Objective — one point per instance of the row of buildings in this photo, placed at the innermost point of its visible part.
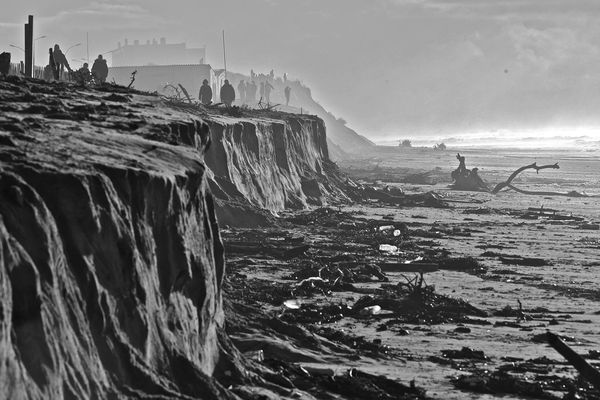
(161, 66)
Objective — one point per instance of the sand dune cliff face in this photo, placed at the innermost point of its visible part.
(110, 258)
(111, 262)
(272, 164)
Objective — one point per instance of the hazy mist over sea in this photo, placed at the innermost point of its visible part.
(582, 139)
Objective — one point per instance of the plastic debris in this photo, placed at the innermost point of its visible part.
(371, 310)
(388, 248)
(292, 304)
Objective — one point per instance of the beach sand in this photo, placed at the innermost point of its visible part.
(569, 283)
(562, 294)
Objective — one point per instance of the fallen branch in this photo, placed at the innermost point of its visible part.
(175, 89)
(266, 106)
(507, 183)
(132, 79)
(185, 92)
(587, 372)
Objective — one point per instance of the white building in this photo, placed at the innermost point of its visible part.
(157, 78)
(156, 53)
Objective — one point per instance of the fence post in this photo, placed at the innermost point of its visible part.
(29, 47)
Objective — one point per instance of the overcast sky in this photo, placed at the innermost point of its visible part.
(389, 67)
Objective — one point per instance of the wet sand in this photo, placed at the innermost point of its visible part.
(561, 294)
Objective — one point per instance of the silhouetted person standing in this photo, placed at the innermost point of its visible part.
(4, 63)
(227, 93)
(48, 75)
(262, 91)
(242, 91)
(84, 73)
(268, 88)
(51, 71)
(100, 69)
(60, 60)
(206, 93)
(287, 92)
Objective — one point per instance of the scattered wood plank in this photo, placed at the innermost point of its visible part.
(525, 261)
(412, 267)
(285, 252)
(586, 371)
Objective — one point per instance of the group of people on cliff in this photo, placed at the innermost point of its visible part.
(270, 76)
(58, 68)
(246, 92)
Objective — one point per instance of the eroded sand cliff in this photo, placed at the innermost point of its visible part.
(271, 163)
(111, 258)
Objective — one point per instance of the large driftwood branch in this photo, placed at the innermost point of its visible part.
(507, 183)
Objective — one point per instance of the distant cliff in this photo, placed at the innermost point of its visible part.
(343, 141)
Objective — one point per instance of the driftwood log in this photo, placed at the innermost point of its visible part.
(467, 179)
(507, 183)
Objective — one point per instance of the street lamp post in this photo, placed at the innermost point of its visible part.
(75, 45)
(17, 47)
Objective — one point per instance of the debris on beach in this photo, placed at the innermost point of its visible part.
(365, 271)
(351, 383)
(465, 353)
(467, 179)
(502, 383)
